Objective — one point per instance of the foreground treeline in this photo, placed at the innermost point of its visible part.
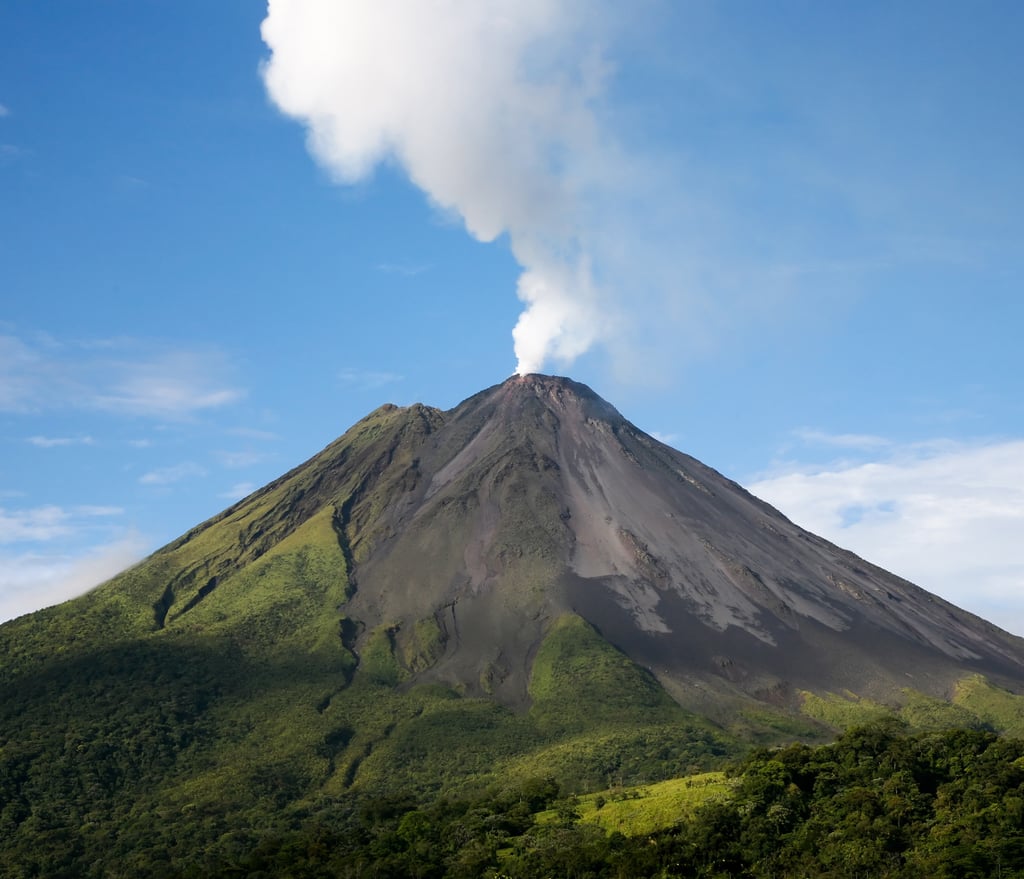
(877, 803)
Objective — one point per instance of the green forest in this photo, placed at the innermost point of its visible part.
(877, 803)
(881, 801)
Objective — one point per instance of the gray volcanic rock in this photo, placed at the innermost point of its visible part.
(536, 497)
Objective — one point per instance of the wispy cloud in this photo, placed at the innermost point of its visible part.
(36, 524)
(174, 385)
(367, 379)
(10, 152)
(238, 491)
(23, 375)
(240, 459)
(4, 111)
(841, 440)
(406, 270)
(253, 434)
(49, 522)
(947, 516)
(99, 510)
(41, 567)
(175, 473)
(122, 376)
(52, 442)
(32, 580)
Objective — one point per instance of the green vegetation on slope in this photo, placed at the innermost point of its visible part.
(842, 711)
(878, 803)
(976, 704)
(640, 811)
(195, 745)
(999, 709)
(248, 715)
(577, 676)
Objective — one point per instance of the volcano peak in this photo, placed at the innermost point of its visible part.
(521, 399)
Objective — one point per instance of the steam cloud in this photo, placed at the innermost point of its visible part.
(489, 106)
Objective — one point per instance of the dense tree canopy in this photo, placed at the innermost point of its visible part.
(879, 802)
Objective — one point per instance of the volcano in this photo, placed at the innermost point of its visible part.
(524, 584)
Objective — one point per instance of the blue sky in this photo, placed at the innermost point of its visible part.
(785, 237)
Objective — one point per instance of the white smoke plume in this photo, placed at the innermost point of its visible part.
(489, 106)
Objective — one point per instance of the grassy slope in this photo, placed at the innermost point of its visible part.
(644, 809)
(975, 704)
(1001, 710)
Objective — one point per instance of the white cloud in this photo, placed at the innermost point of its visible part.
(173, 385)
(129, 181)
(237, 460)
(98, 510)
(51, 442)
(947, 516)
(32, 580)
(841, 440)
(253, 433)
(10, 152)
(409, 271)
(122, 376)
(25, 376)
(238, 491)
(49, 522)
(36, 524)
(175, 473)
(44, 570)
(368, 379)
(4, 111)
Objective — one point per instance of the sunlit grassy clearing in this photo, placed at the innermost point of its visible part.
(635, 811)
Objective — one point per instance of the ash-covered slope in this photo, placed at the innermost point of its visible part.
(535, 497)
